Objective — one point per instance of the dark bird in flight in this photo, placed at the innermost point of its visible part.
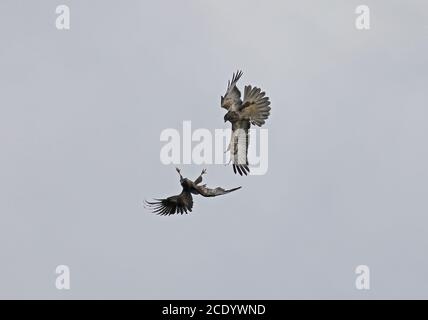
(253, 110)
(184, 201)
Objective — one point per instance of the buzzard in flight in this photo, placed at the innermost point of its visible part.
(184, 201)
(254, 110)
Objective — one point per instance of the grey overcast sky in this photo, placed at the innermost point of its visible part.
(81, 112)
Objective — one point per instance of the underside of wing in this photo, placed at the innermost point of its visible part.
(256, 106)
(207, 192)
(181, 203)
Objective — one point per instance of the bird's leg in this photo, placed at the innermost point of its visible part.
(230, 158)
(228, 148)
(232, 141)
(199, 179)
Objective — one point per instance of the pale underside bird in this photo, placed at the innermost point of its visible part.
(183, 202)
(254, 109)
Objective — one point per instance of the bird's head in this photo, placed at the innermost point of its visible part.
(231, 116)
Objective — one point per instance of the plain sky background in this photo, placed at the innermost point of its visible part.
(81, 112)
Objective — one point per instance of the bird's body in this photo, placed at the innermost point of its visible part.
(253, 110)
(183, 202)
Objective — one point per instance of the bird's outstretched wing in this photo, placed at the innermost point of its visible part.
(176, 204)
(207, 192)
(232, 96)
(255, 107)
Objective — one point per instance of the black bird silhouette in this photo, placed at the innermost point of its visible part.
(183, 202)
(254, 110)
